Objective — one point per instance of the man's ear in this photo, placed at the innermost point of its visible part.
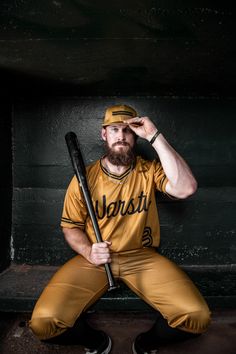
(104, 134)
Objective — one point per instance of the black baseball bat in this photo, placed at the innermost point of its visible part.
(80, 172)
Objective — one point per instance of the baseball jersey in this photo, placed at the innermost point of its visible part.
(125, 205)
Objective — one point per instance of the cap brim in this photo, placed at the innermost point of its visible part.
(114, 123)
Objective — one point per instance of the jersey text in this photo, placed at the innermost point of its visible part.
(122, 207)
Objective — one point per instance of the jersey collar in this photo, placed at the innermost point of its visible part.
(113, 175)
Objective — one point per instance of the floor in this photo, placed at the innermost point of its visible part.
(15, 336)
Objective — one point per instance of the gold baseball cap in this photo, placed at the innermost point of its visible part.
(118, 114)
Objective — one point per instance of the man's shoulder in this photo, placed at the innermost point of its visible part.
(93, 168)
(145, 164)
(92, 165)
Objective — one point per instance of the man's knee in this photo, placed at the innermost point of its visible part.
(198, 321)
(46, 327)
(194, 322)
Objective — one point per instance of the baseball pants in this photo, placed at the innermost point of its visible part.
(155, 279)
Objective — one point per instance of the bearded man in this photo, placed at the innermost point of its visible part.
(123, 188)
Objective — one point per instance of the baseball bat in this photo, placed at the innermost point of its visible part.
(80, 172)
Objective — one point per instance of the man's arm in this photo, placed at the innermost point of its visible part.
(97, 253)
(181, 182)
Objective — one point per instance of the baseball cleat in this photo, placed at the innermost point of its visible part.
(103, 348)
(139, 348)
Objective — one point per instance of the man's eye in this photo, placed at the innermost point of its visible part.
(128, 130)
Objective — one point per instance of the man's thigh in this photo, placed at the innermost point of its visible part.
(161, 283)
(74, 287)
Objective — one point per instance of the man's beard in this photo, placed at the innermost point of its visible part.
(120, 158)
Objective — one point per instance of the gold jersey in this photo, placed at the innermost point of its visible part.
(125, 205)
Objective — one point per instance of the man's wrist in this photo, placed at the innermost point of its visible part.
(153, 138)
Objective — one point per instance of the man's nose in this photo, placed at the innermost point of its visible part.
(121, 136)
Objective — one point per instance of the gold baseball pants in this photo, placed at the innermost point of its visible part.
(155, 279)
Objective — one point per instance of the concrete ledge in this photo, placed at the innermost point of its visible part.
(21, 285)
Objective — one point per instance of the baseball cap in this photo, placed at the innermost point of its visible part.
(118, 114)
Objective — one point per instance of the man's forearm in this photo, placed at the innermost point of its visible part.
(78, 241)
(181, 180)
(97, 253)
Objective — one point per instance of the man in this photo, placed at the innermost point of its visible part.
(123, 191)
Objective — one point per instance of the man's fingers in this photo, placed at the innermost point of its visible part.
(101, 245)
(101, 248)
(142, 126)
(100, 253)
(135, 122)
(103, 259)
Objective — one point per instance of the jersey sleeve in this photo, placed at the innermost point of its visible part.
(160, 178)
(74, 211)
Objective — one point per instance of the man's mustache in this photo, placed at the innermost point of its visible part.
(122, 143)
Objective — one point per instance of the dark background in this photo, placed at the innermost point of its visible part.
(63, 62)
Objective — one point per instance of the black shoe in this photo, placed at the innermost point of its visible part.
(139, 348)
(103, 348)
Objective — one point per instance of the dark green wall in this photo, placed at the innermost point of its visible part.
(198, 231)
(5, 183)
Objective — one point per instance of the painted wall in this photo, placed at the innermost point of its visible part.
(5, 183)
(197, 231)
